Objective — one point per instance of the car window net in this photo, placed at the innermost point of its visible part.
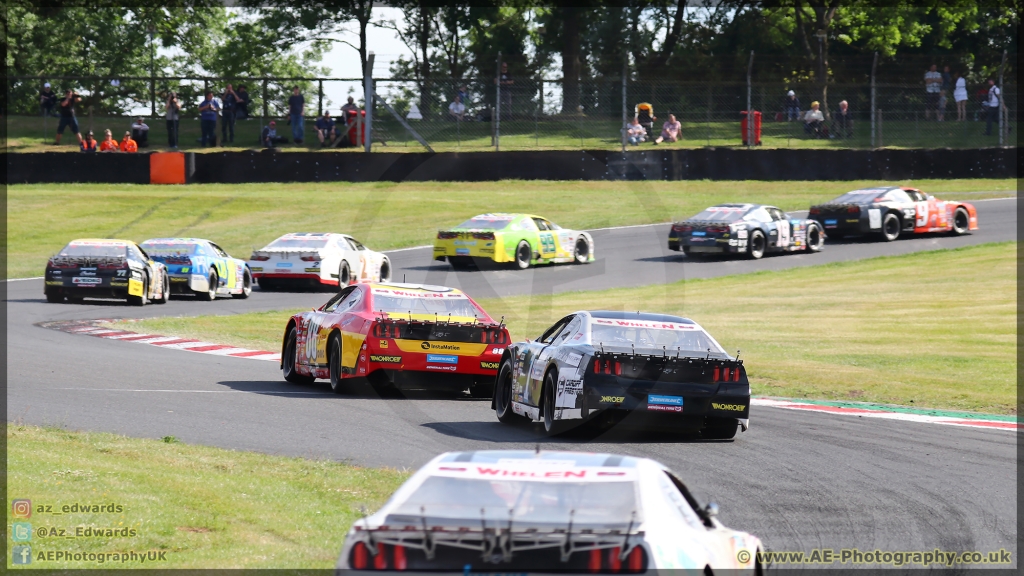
(94, 250)
(684, 340)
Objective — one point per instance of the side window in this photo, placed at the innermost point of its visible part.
(137, 253)
(541, 223)
(218, 250)
(685, 502)
(556, 329)
(776, 214)
(552, 225)
(333, 304)
(758, 215)
(568, 331)
(355, 244)
(898, 196)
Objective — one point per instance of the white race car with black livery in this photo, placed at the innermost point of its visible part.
(664, 371)
(316, 259)
(750, 229)
(518, 512)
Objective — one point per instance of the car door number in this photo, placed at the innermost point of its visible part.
(784, 233)
(547, 242)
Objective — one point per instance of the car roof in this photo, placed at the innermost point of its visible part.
(308, 235)
(745, 206)
(875, 190)
(566, 458)
(414, 287)
(177, 240)
(101, 241)
(622, 315)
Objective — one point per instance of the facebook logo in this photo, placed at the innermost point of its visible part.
(21, 555)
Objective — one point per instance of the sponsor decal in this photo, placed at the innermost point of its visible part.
(178, 279)
(256, 268)
(383, 344)
(660, 408)
(87, 272)
(830, 223)
(435, 346)
(445, 368)
(118, 283)
(283, 264)
(699, 234)
(418, 293)
(612, 399)
(54, 282)
(87, 281)
(311, 269)
(465, 242)
(728, 407)
(497, 351)
(462, 251)
(852, 220)
(664, 400)
(442, 359)
(385, 359)
(489, 365)
(644, 324)
(571, 358)
(527, 470)
(874, 218)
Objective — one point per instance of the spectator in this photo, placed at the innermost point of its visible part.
(932, 85)
(464, 93)
(635, 133)
(843, 121)
(88, 144)
(993, 104)
(208, 119)
(506, 82)
(325, 129)
(269, 137)
(242, 106)
(940, 109)
(791, 105)
(140, 132)
(296, 104)
(645, 115)
(229, 100)
(814, 120)
(67, 116)
(47, 100)
(129, 145)
(108, 144)
(670, 130)
(947, 80)
(173, 108)
(349, 106)
(457, 110)
(960, 96)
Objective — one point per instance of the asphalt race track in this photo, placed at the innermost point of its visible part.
(799, 480)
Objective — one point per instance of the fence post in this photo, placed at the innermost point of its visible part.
(266, 108)
(320, 100)
(497, 106)
(999, 111)
(874, 64)
(750, 112)
(880, 144)
(368, 95)
(625, 72)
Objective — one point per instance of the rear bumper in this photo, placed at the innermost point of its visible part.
(839, 224)
(294, 278)
(96, 291)
(726, 244)
(461, 248)
(670, 399)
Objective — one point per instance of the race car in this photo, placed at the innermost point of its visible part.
(520, 239)
(604, 365)
(751, 229)
(200, 267)
(396, 335)
(519, 512)
(314, 259)
(890, 211)
(104, 268)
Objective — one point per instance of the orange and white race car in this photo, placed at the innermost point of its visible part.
(890, 211)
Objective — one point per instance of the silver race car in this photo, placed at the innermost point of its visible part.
(558, 512)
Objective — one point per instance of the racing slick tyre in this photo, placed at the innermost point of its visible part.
(552, 427)
(140, 300)
(961, 222)
(524, 254)
(165, 292)
(211, 293)
(890, 227)
(385, 271)
(288, 361)
(54, 298)
(582, 252)
(246, 285)
(503, 396)
(334, 363)
(757, 245)
(719, 429)
(344, 275)
(815, 239)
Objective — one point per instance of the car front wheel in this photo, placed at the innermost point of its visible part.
(334, 362)
(961, 221)
(582, 252)
(552, 427)
(503, 395)
(288, 358)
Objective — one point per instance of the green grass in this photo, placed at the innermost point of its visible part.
(31, 134)
(41, 218)
(930, 330)
(205, 507)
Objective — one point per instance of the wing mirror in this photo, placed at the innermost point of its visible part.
(711, 510)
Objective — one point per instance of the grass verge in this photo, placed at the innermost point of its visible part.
(203, 507)
(43, 218)
(932, 329)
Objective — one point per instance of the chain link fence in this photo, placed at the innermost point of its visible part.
(478, 114)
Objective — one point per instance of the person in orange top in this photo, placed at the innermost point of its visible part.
(108, 144)
(127, 144)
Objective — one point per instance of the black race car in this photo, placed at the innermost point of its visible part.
(890, 211)
(603, 364)
(105, 269)
(751, 229)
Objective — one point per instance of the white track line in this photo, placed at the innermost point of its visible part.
(988, 424)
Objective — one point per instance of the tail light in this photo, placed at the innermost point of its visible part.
(814, 210)
(447, 235)
(177, 260)
(387, 331)
(493, 337)
(123, 264)
(380, 560)
(614, 563)
(359, 556)
(483, 235)
(853, 210)
(608, 367)
(717, 229)
(608, 560)
(259, 258)
(679, 228)
(310, 258)
(399, 558)
(736, 374)
(387, 557)
(726, 374)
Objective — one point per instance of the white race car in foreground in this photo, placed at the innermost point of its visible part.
(524, 511)
(314, 259)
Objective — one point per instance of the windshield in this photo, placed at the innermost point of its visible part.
(298, 243)
(646, 334)
(528, 502)
(94, 250)
(721, 214)
(160, 248)
(398, 302)
(487, 222)
(858, 197)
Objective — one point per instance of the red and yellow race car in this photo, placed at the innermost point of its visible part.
(401, 335)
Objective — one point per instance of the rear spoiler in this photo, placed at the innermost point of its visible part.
(89, 261)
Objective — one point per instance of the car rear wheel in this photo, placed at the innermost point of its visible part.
(757, 245)
(815, 239)
(165, 291)
(288, 357)
(54, 298)
(503, 397)
(334, 363)
(890, 227)
(719, 429)
(961, 221)
(582, 252)
(344, 275)
(552, 427)
(140, 300)
(524, 253)
(211, 291)
(246, 285)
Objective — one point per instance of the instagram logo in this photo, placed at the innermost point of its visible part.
(21, 508)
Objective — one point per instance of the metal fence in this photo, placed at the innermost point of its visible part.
(476, 114)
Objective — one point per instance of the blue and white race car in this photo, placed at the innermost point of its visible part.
(200, 267)
(504, 511)
(751, 229)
